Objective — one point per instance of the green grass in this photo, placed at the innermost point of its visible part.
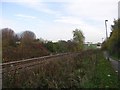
(89, 69)
(104, 75)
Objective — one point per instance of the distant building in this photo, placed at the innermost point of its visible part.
(90, 45)
(18, 42)
(99, 45)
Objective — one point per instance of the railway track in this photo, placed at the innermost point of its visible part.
(30, 63)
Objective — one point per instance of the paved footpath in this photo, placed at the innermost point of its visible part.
(115, 64)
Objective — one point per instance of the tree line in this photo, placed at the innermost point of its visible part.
(26, 45)
(112, 44)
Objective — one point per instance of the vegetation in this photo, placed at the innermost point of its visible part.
(112, 44)
(25, 45)
(78, 38)
(88, 69)
(0, 47)
(16, 47)
(74, 45)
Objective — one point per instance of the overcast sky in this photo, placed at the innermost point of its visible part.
(56, 19)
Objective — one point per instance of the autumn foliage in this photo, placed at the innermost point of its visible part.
(17, 47)
(26, 45)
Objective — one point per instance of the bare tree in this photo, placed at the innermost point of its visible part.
(8, 37)
(27, 37)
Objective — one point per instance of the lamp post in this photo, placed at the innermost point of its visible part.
(106, 29)
(107, 53)
(102, 39)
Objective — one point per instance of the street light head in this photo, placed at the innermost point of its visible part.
(106, 20)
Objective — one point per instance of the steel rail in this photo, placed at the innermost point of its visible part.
(31, 60)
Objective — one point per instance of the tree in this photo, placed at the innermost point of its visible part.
(114, 39)
(71, 46)
(63, 46)
(57, 47)
(0, 40)
(27, 37)
(8, 37)
(112, 44)
(49, 46)
(78, 39)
